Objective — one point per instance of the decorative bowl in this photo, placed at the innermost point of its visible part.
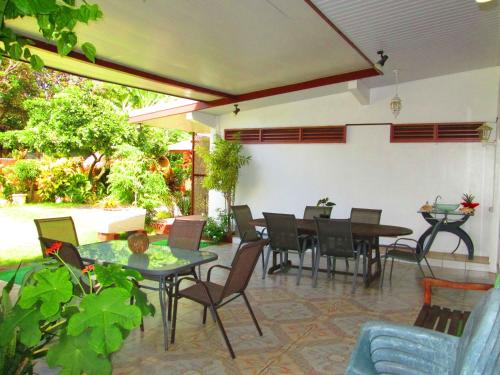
(138, 243)
(447, 207)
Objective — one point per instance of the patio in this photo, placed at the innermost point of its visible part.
(305, 330)
(379, 106)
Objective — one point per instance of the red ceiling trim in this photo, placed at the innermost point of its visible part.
(129, 70)
(339, 78)
(334, 27)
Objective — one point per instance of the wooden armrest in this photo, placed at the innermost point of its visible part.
(430, 282)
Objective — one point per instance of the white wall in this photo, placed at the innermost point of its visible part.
(369, 171)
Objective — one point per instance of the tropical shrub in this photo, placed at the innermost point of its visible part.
(216, 228)
(63, 178)
(21, 177)
(60, 314)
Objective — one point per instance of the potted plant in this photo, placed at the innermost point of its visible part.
(223, 164)
(20, 180)
(325, 202)
(74, 318)
(162, 221)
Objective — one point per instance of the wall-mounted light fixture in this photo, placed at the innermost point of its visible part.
(236, 110)
(381, 62)
(485, 133)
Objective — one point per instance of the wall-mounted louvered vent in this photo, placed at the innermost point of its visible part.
(445, 132)
(316, 134)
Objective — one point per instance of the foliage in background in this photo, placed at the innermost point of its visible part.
(133, 180)
(21, 177)
(216, 228)
(76, 123)
(63, 315)
(223, 164)
(63, 178)
(56, 20)
(183, 202)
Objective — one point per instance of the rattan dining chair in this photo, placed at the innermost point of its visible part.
(242, 216)
(284, 237)
(213, 296)
(402, 250)
(57, 228)
(335, 241)
(310, 212)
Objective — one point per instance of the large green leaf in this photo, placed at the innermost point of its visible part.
(115, 275)
(141, 301)
(89, 50)
(75, 356)
(28, 323)
(51, 287)
(105, 314)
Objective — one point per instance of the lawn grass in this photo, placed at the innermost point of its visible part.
(19, 241)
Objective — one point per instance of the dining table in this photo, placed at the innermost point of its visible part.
(159, 263)
(360, 232)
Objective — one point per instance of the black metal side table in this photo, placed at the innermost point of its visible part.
(448, 226)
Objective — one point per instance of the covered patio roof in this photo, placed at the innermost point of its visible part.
(216, 52)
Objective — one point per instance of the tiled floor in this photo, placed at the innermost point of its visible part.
(306, 330)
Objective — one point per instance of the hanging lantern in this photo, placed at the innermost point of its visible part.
(396, 104)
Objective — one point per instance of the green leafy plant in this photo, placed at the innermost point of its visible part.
(325, 202)
(76, 318)
(21, 177)
(56, 20)
(216, 228)
(63, 178)
(183, 201)
(223, 164)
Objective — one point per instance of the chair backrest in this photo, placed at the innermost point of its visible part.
(186, 234)
(365, 216)
(242, 216)
(57, 228)
(335, 237)
(310, 212)
(242, 267)
(479, 347)
(67, 252)
(282, 231)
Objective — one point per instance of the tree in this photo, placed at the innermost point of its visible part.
(223, 164)
(76, 123)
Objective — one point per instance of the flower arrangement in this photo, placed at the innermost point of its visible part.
(76, 318)
(468, 204)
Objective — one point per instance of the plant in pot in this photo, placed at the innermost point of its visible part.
(162, 221)
(223, 164)
(215, 229)
(20, 179)
(74, 318)
(325, 202)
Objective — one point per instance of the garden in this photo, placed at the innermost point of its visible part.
(67, 147)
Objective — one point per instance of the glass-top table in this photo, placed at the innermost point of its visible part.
(158, 263)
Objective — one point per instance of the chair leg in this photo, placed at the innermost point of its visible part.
(390, 274)
(204, 314)
(328, 265)
(301, 264)
(251, 313)
(355, 274)
(421, 270)
(174, 320)
(263, 262)
(223, 331)
(429, 266)
(383, 273)
(346, 264)
(269, 251)
(169, 291)
(316, 269)
(334, 265)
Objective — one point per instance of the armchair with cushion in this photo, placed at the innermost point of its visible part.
(387, 348)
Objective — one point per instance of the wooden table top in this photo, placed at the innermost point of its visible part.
(358, 229)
